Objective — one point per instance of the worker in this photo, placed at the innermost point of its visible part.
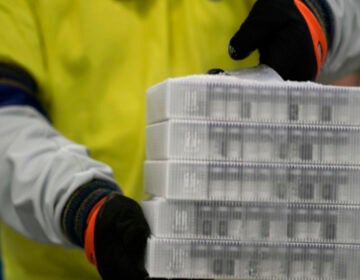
(73, 76)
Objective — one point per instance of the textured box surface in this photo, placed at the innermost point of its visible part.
(246, 181)
(186, 258)
(233, 99)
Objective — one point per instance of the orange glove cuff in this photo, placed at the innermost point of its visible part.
(317, 34)
(89, 244)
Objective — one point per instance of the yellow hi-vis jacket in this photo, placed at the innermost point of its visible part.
(93, 61)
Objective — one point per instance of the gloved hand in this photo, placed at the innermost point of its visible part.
(115, 238)
(292, 36)
(110, 227)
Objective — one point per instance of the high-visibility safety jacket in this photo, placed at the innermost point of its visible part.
(93, 61)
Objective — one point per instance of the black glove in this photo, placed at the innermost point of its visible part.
(119, 239)
(110, 227)
(292, 36)
(115, 239)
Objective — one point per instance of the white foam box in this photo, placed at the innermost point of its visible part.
(253, 221)
(222, 97)
(194, 259)
(206, 140)
(246, 181)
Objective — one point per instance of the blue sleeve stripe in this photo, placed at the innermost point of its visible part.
(79, 205)
(17, 87)
(11, 95)
(13, 72)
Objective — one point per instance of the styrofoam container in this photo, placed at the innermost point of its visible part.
(253, 221)
(203, 140)
(186, 258)
(220, 97)
(249, 181)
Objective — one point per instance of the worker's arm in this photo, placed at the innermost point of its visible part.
(302, 39)
(50, 185)
(53, 192)
(344, 56)
(39, 168)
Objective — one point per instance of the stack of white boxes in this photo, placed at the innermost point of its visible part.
(252, 179)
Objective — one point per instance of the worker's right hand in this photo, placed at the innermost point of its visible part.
(115, 238)
(292, 36)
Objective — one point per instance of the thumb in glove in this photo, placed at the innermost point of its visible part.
(292, 36)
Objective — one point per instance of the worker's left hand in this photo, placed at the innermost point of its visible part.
(292, 38)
